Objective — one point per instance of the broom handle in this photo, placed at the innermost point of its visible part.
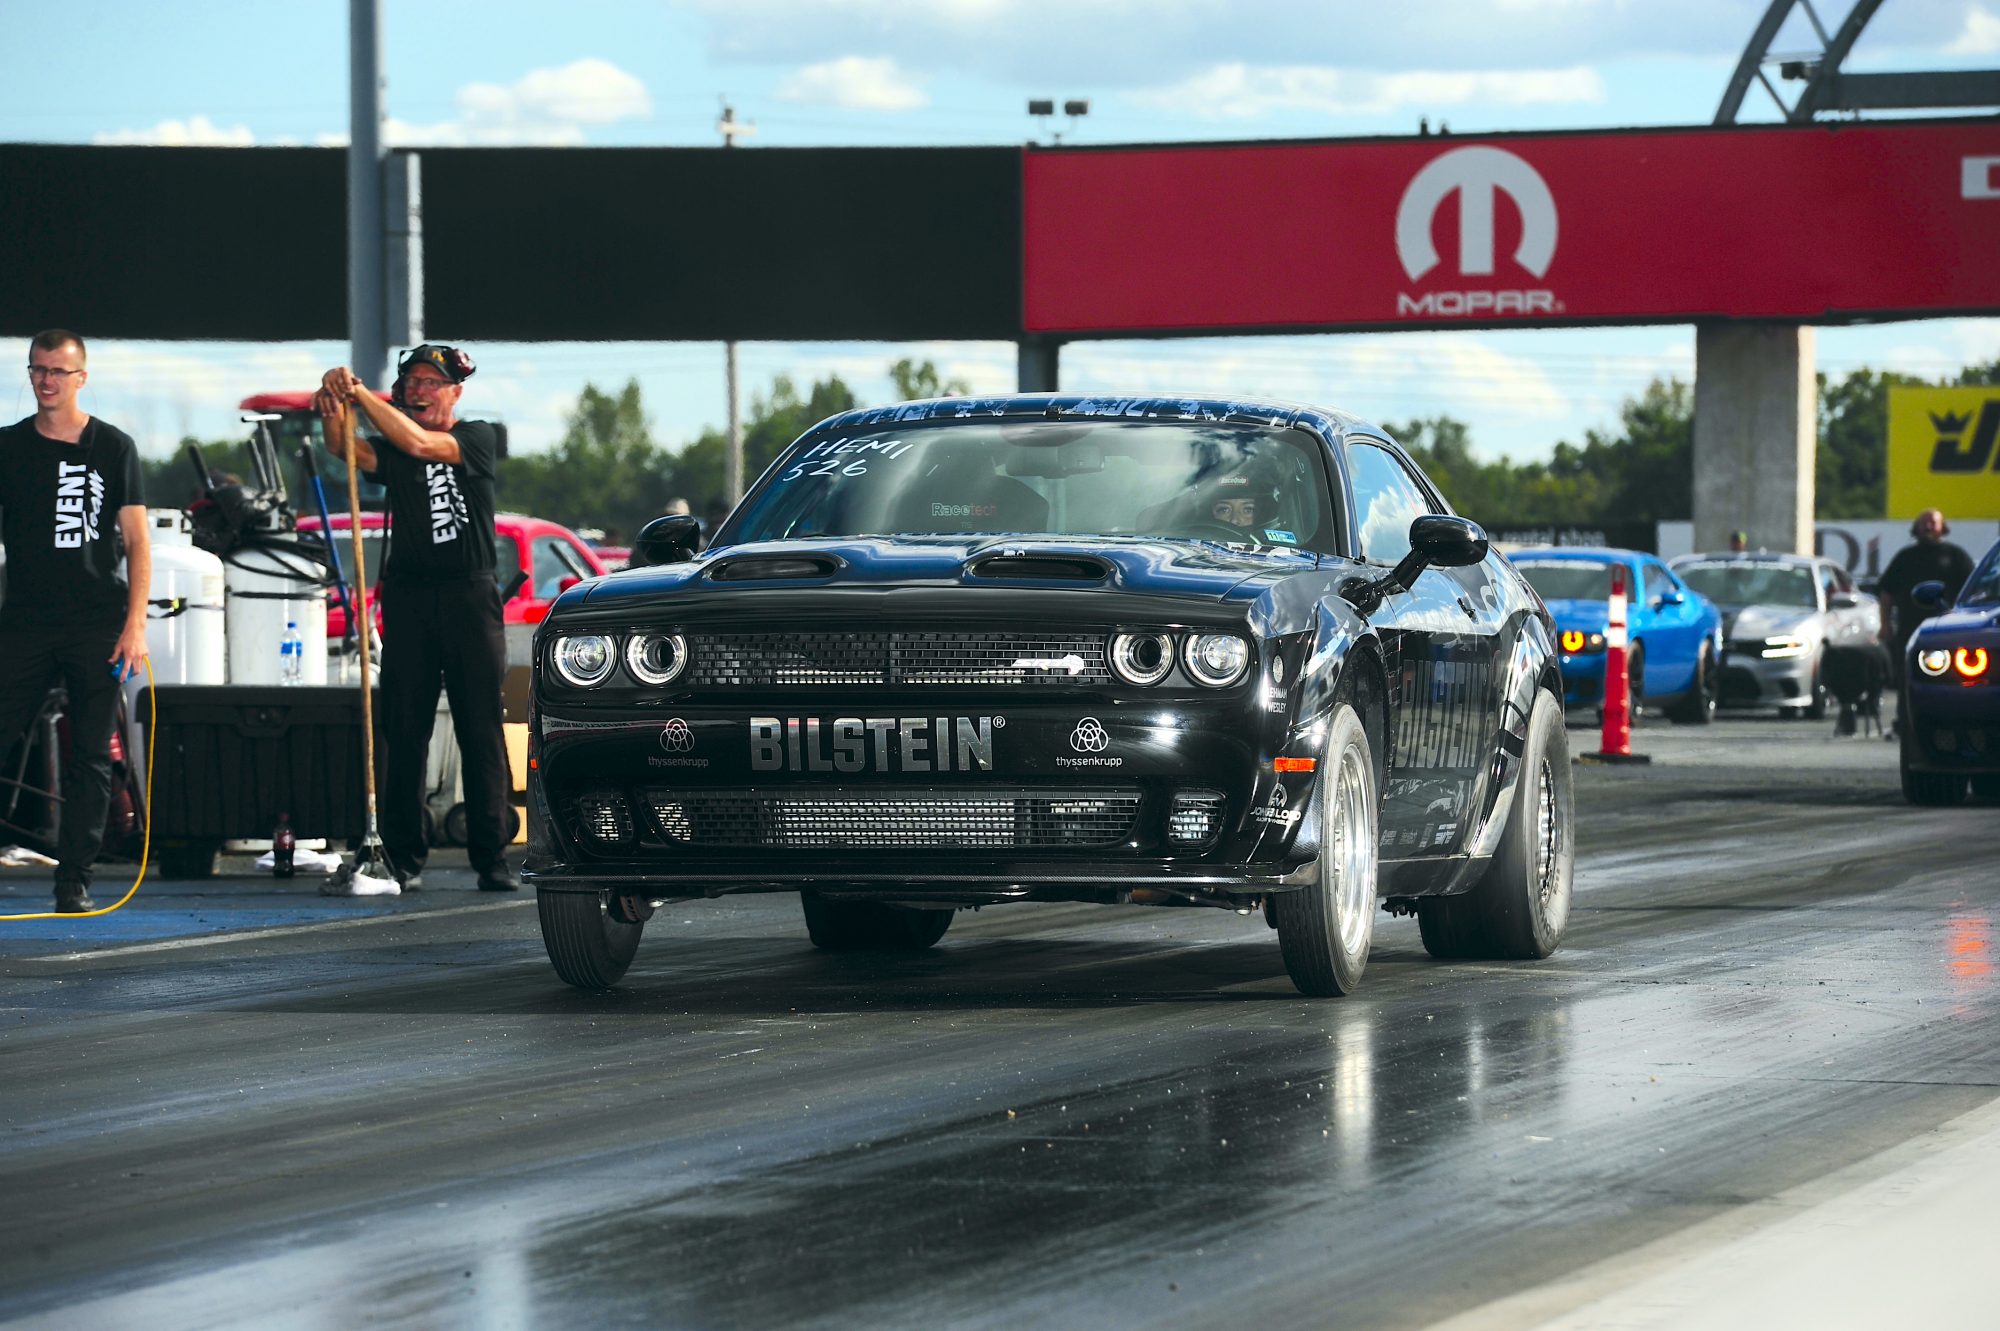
(366, 612)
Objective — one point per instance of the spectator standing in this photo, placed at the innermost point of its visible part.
(72, 510)
(441, 616)
(1931, 559)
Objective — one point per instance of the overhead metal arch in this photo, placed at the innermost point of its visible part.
(1827, 89)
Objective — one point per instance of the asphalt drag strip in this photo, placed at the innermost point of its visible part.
(1777, 993)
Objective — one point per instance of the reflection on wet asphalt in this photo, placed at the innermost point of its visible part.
(1062, 1116)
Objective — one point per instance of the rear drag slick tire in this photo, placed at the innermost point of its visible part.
(589, 947)
(1520, 906)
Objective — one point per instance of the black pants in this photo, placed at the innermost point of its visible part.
(34, 655)
(451, 633)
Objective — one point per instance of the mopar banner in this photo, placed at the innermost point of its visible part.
(1944, 452)
(1797, 223)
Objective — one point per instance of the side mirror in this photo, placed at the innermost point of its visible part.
(1435, 538)
(1843, 601)
(1929, 595)
(1665, 599)
(669, 540)
(566, 582)
(1447, 542)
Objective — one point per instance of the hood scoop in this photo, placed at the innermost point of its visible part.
(775, 568)
(1021, 564)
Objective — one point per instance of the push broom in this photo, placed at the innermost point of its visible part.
(369, 875)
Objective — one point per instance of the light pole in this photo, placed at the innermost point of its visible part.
(1044, 109)
(732, 482)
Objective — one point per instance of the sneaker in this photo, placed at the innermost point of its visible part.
(73, 899)
(500, 878)
(412, 882)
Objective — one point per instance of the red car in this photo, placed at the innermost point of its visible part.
(547, 558)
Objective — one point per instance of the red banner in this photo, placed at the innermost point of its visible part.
(1804, 223)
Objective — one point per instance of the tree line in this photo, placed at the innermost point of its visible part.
(610, 471)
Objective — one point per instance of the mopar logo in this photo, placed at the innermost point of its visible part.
(1476, 175)
(873, 743)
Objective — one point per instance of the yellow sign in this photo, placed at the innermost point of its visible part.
(1944, 452)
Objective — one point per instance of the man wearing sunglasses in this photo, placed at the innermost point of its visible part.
(441, 615)
(73, 519)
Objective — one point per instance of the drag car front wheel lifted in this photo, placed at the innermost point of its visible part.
(589, 944)
(1520, 905)
(1325, 930)
(870, 926)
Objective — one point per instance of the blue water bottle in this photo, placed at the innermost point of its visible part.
(291, 656)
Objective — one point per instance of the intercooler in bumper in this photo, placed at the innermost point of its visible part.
(913, 819)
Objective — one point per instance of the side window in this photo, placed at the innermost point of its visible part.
(506, 559)
(1386, 500)
(1829, 583)
(554, 561)
(1658, 583)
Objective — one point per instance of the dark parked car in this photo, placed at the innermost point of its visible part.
(1055, 648)
(1948, 716)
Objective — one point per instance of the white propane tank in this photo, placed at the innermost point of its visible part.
(267, 587)
(184, 622)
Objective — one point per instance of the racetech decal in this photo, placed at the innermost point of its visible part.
(1522, 228)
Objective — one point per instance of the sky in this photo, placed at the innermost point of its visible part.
(884, 73)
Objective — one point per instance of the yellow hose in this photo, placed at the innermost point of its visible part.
(146, 841)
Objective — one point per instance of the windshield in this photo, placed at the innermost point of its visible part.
(1568, 579)
(1983, 587)
(1735, 582)
(1236, 484)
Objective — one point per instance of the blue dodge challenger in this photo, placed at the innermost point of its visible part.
(1170, 652)
(1674, 633)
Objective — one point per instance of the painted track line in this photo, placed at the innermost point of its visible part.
(275, 931)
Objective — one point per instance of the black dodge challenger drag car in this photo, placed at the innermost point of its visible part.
(955, 653)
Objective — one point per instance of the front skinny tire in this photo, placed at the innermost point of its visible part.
(589, 947)
(1325, 930)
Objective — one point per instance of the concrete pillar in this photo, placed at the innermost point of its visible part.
(1756, 418)
(1039, 364)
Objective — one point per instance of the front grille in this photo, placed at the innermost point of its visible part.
(891, 818)
(754, 660)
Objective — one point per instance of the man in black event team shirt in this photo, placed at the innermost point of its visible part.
(70, 507)
(1931, 559)
(440, 603)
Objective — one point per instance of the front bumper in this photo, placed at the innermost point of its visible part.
(1951, 728)
(1583, 678)
(1748, 679)
(1023, 798)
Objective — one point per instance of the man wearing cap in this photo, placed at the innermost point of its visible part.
(441, 619)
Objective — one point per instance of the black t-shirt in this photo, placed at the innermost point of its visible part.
(441, 513)
(1943, 562)
(59, 507)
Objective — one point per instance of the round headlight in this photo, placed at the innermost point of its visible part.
(1215, 659)
(656, 658)
(585, 660)
(1141, 658)
(1934, 662)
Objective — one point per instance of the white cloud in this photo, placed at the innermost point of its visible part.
(854, 83)
(1981, 35)
(194, 132)
(1240, 91)
(544, 108)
